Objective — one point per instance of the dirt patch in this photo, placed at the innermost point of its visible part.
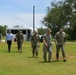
(72, 57)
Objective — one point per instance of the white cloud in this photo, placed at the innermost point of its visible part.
(22, 19)
(19, 12)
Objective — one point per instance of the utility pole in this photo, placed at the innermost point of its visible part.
(33, 18)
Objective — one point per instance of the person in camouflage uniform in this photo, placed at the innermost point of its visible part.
(35, 39)
(19, 39)
(47, 46)
(60, 39)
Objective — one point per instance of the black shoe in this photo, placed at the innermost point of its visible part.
(64, 60)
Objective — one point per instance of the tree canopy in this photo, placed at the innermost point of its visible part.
(62, 14)
(3, 30)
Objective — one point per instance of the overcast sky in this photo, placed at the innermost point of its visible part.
(20, 12)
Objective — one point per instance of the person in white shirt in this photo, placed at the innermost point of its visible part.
(9, 38)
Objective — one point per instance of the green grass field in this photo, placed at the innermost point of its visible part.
(15, 63)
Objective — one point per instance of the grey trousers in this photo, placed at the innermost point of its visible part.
(19, 45)
(58, 47)
(45, 50)
(35, 50)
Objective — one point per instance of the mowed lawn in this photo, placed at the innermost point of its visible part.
(15, 63)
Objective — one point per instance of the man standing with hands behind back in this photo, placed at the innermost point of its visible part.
(60, 39)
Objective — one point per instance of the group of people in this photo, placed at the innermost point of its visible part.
(60, 39)
(19, 40)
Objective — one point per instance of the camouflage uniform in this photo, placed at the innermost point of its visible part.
(60, 39)
(35, 44)
(19, 38)
(48, 40)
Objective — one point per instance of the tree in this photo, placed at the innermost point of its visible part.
(61, 14)
(3, 30)
(41, 31)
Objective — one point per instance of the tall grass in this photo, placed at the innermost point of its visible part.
(15, 63)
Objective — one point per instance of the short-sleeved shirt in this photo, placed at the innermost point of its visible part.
(35, 40)
(19, 37)
(48, 39)
(60, 38)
